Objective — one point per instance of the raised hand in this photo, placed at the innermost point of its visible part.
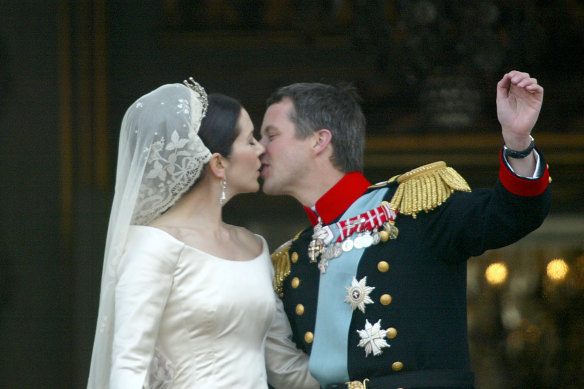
(519, 99)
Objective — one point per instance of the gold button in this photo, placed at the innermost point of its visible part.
(294, 257)
(397, 366)
(295, 282)
(384, 235)
(308, 337)
(550, 180)
(385, 299)
(391, 333)
(299, 309)
(383, 266)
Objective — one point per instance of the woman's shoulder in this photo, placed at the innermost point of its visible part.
(254, 241)
(148, 237)
(149, 246)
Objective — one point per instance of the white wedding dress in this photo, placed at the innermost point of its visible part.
(188, 319)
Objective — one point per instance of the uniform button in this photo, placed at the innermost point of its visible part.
(299, 309)
(384, 236)
(295, 282)
(397, 366)
(308, 337)
(294, 257)
(385, 299)
(383, 266)
(550, 180)
(391, 333)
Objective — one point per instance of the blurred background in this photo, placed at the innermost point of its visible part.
(427, 72)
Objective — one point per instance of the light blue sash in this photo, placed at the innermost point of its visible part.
(328, 359)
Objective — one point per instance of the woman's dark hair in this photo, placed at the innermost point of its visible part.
(219, 128)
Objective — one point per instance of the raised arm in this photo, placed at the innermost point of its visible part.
(519, 100)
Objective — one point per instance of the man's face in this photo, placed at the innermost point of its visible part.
(285, 160)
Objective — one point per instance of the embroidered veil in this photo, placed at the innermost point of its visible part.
(160, 156)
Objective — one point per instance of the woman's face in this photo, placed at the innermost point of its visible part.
(244, 166)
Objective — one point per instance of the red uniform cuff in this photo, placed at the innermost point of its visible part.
(522, 186)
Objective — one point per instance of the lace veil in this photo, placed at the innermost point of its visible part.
(159, 158)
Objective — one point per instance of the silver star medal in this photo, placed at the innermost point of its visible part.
(358, 294)
(373, 338)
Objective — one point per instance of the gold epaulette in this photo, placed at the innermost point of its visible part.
(281, 262)
(425, 188)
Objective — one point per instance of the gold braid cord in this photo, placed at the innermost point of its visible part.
(281, 262)
(426, 188)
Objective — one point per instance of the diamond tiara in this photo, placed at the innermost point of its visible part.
(202, 95)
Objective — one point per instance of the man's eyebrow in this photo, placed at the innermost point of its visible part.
(268, 129)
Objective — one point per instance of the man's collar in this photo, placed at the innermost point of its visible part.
(334, 202)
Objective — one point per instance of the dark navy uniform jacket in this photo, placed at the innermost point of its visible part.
(419, 280)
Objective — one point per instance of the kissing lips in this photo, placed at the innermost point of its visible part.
(263, 169)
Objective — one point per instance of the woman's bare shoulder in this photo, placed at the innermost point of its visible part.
(248, 238)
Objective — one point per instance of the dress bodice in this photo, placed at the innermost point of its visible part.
(206, 317)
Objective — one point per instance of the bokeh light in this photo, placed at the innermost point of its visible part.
(557, 269)
(496, 273)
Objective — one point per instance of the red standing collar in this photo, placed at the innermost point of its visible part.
(340, 197)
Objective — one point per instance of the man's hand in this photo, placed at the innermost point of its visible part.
(519, 100)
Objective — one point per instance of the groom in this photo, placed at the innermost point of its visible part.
(375, 288)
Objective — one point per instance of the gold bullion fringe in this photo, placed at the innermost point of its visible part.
(281, 262)
(426, 188)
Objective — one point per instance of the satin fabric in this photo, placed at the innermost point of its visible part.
(210, 322)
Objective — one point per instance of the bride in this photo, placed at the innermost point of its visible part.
(186, 299)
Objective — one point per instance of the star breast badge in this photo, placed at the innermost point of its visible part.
(358, 294)
(373, 338)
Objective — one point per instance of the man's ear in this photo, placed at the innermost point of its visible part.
(217, 164)
(322, 138)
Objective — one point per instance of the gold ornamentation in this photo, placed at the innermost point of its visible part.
(281, 262)
(384, 235)
(383, 266)
(300, 309)
(357, 384)
(385, 299)
(425, 188)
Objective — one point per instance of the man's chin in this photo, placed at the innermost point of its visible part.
(268, 189)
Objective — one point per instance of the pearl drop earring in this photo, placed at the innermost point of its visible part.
(223, 196)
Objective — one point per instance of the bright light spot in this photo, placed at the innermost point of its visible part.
(496, 273)
(557, 269)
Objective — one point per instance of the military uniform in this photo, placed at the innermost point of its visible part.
(390, 312)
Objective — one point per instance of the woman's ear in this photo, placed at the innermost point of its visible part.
(322, 138)
(217, 164)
